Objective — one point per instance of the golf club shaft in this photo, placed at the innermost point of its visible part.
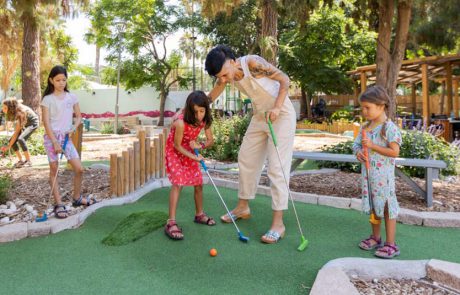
(275, 143)
(58, 163)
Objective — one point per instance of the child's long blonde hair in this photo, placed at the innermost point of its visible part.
(379, 96)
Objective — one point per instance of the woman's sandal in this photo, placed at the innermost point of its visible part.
(173, 231)
(370, 243)
(243, 215)
(204, 219)
(89, 201)
(272, 237)
(387, 251)
(60, 211)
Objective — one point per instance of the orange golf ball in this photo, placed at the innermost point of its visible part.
(213, 252)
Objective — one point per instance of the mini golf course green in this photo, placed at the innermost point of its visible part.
(76, 262)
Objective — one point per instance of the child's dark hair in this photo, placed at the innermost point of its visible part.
(216, 59)
(376, 95)
(53, 73)
(198, 98)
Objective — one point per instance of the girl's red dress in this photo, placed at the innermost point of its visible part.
(181, 169)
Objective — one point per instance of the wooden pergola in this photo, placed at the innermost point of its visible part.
(420, 70)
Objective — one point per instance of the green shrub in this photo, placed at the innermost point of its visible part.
(107, 128)
(34, 143)
(341, 148)
(228, 136)
(5, 184)
(415, 145)
(344, 114)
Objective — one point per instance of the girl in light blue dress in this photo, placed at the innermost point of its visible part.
(383, 143)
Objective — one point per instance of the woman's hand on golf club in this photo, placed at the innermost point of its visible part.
(273, 114)
(198, 158)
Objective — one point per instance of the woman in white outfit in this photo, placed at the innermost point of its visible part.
(267, 87)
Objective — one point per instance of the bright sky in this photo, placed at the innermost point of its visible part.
(77, 29)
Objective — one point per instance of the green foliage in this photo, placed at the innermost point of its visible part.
(34, 143)
(5, 185)
(107, 128)
(344, 114)
(228, 136)
(422, 145)
(341, 148)
(415, 145)
(77, 82)
(319, 55)
(134, 227)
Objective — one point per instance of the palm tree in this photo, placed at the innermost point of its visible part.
(28, 10)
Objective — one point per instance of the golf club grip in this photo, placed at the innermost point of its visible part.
(270, 126)
(201, 162)
(66, 139)
(365, 150)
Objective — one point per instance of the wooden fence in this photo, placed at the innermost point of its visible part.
(336, 126)
(138, 164)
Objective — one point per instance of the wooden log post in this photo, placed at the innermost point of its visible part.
(137, 165)
(147, 160)
(141, 137)
(113, 174)
(152, 160)
(456, 102)
(161, 154)
(165, 138)
(131, 169)
(120, 176)
(425, 95)
(157, 157)
(125, 155)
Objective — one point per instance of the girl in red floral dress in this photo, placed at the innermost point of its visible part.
(182, 165)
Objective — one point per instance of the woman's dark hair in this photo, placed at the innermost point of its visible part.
(13, 107)
(198, 98)
(216, 59)
(54, 72)
(379, 96)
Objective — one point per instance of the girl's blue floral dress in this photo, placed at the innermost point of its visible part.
(382, 171)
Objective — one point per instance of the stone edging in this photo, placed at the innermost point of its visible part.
(17, 231)
(334, 276)
(406, 216)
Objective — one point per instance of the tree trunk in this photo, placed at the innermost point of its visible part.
(303, 104)
(96, 66)
(389, 63)
(269, 33)
(31, 60)
(163, 94)
(309, 99)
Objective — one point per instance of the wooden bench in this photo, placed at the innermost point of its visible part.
(432, 168)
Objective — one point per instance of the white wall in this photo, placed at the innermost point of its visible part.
(144, 99)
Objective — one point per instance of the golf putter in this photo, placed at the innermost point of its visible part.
(372, 218)
(241, 237)
(44, 216)
(303, 242)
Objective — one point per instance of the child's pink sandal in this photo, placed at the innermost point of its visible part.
(370, 243)
(203, 218)
(387, 251)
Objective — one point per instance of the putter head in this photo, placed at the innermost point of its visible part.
(243, 238)
(303, 244)
(41, 218)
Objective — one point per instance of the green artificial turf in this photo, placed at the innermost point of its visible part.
(135, 226)
(76, 262)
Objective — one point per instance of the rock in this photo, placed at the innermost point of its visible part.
(13, 207)
(29, 208)
(375, 281)
(5, 220)
(34, 213)
(3, 207)
(19, 202)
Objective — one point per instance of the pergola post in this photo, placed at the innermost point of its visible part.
(425, 95)
(413, 98)
(363, 81)
(356, 93)
(448, 68)
(456, 101)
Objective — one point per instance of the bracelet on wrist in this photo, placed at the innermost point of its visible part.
(203, 146)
